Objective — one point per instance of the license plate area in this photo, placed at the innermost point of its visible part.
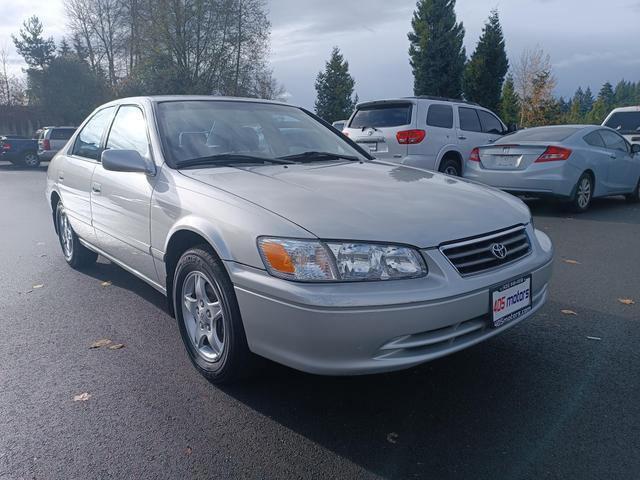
(510, 301)
(506, 161)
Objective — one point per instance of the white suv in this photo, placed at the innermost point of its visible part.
(427, 132)
(626, 121)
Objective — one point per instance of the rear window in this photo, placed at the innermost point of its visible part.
(440, 116)
(61, 133)
(594, 139)
(626, 123)
(543, 134)
(379, 116)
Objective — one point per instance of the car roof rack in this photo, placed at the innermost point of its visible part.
(444, 99)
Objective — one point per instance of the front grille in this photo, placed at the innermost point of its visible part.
(477, 255)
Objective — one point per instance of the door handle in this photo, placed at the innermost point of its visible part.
(96, 187)
(462, 137)
(491, 140)
(60, 176)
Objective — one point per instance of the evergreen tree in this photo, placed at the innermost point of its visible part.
(36, 50)
(64, 49)
(509, 103)
(485, 72)
(436, 51)
(587, 101)
(334, 87)
(606, 95)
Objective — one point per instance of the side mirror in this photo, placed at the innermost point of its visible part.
(127, 161)
(512, 127)
(635, 148)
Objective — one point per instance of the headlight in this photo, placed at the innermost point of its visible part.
(314, 261)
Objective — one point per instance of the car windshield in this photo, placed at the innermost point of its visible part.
(201, 129)
(380, 116)
(543, 134)
(625, 122)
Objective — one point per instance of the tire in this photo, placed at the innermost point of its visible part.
(634, 197)
(31, 160)
(77, 255)
(209, 318)
(451, 167)
(583, 194)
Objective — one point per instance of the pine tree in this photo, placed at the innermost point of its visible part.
(36, 50)
(606, 95)
(587, 101)
(509, 103)
(64, 49)
(436, 51)
(485, 72)
(334, 87)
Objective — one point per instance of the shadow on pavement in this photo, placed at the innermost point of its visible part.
(610, 209)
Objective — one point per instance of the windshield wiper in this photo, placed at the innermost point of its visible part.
(225, 159)
(318, 157)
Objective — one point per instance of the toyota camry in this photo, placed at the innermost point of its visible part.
(273, 235)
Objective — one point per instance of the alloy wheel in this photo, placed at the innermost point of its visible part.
(203, 316)
(31, 160)
(451, 170)
(66, 235)
(584, 193)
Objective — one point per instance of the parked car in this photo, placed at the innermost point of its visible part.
(625, 121)
(427, 132)
(570, 162)
(339, 125)
(19, 150)
(52, 139)
(272, 234)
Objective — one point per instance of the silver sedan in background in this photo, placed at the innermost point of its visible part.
(571, 162)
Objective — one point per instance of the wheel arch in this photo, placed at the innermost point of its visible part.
(54, 200)
(450, 152)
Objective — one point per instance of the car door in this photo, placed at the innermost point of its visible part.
(603, 163)
(76, 169)
(440, 134)
(492, 126)
(121, 201)
(622, 166)
(470, 134)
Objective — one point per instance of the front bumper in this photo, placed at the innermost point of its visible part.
(361, 328)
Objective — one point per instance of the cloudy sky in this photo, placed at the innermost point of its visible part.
(590, 41)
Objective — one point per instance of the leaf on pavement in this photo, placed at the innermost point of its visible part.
(571, 262)
(626, 301)
(392, 437)
(188, 451)
(116, 346)
(100, 343)
(568, 312)
(36, 287)
(106, 284)
(83, 397)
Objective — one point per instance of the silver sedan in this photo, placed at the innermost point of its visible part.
(274, 235)
(572, 162)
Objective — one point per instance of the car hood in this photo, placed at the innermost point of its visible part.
(371, 201)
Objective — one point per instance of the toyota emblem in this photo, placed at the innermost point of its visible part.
(499, 251)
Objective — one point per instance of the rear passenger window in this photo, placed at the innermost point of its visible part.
(614, 141)
(89, 141)
(440, 116)
(61, 134)
(490, 123)
(129, 131)
(595, 140)
(469, 120)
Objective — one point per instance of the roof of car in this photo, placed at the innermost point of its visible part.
(192, 98)
(627, 109)
(419, 97)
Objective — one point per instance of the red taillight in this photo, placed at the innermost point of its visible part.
(554, 154)
(6, 146)
(475, 155)
(411, 137)
(345, 133)
(46, 144)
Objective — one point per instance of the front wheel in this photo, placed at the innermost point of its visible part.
(209, 317)
(583, 194)
(76, 254)
(634, 197)
(31, 160)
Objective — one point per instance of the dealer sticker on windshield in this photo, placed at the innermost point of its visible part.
(510, 301)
